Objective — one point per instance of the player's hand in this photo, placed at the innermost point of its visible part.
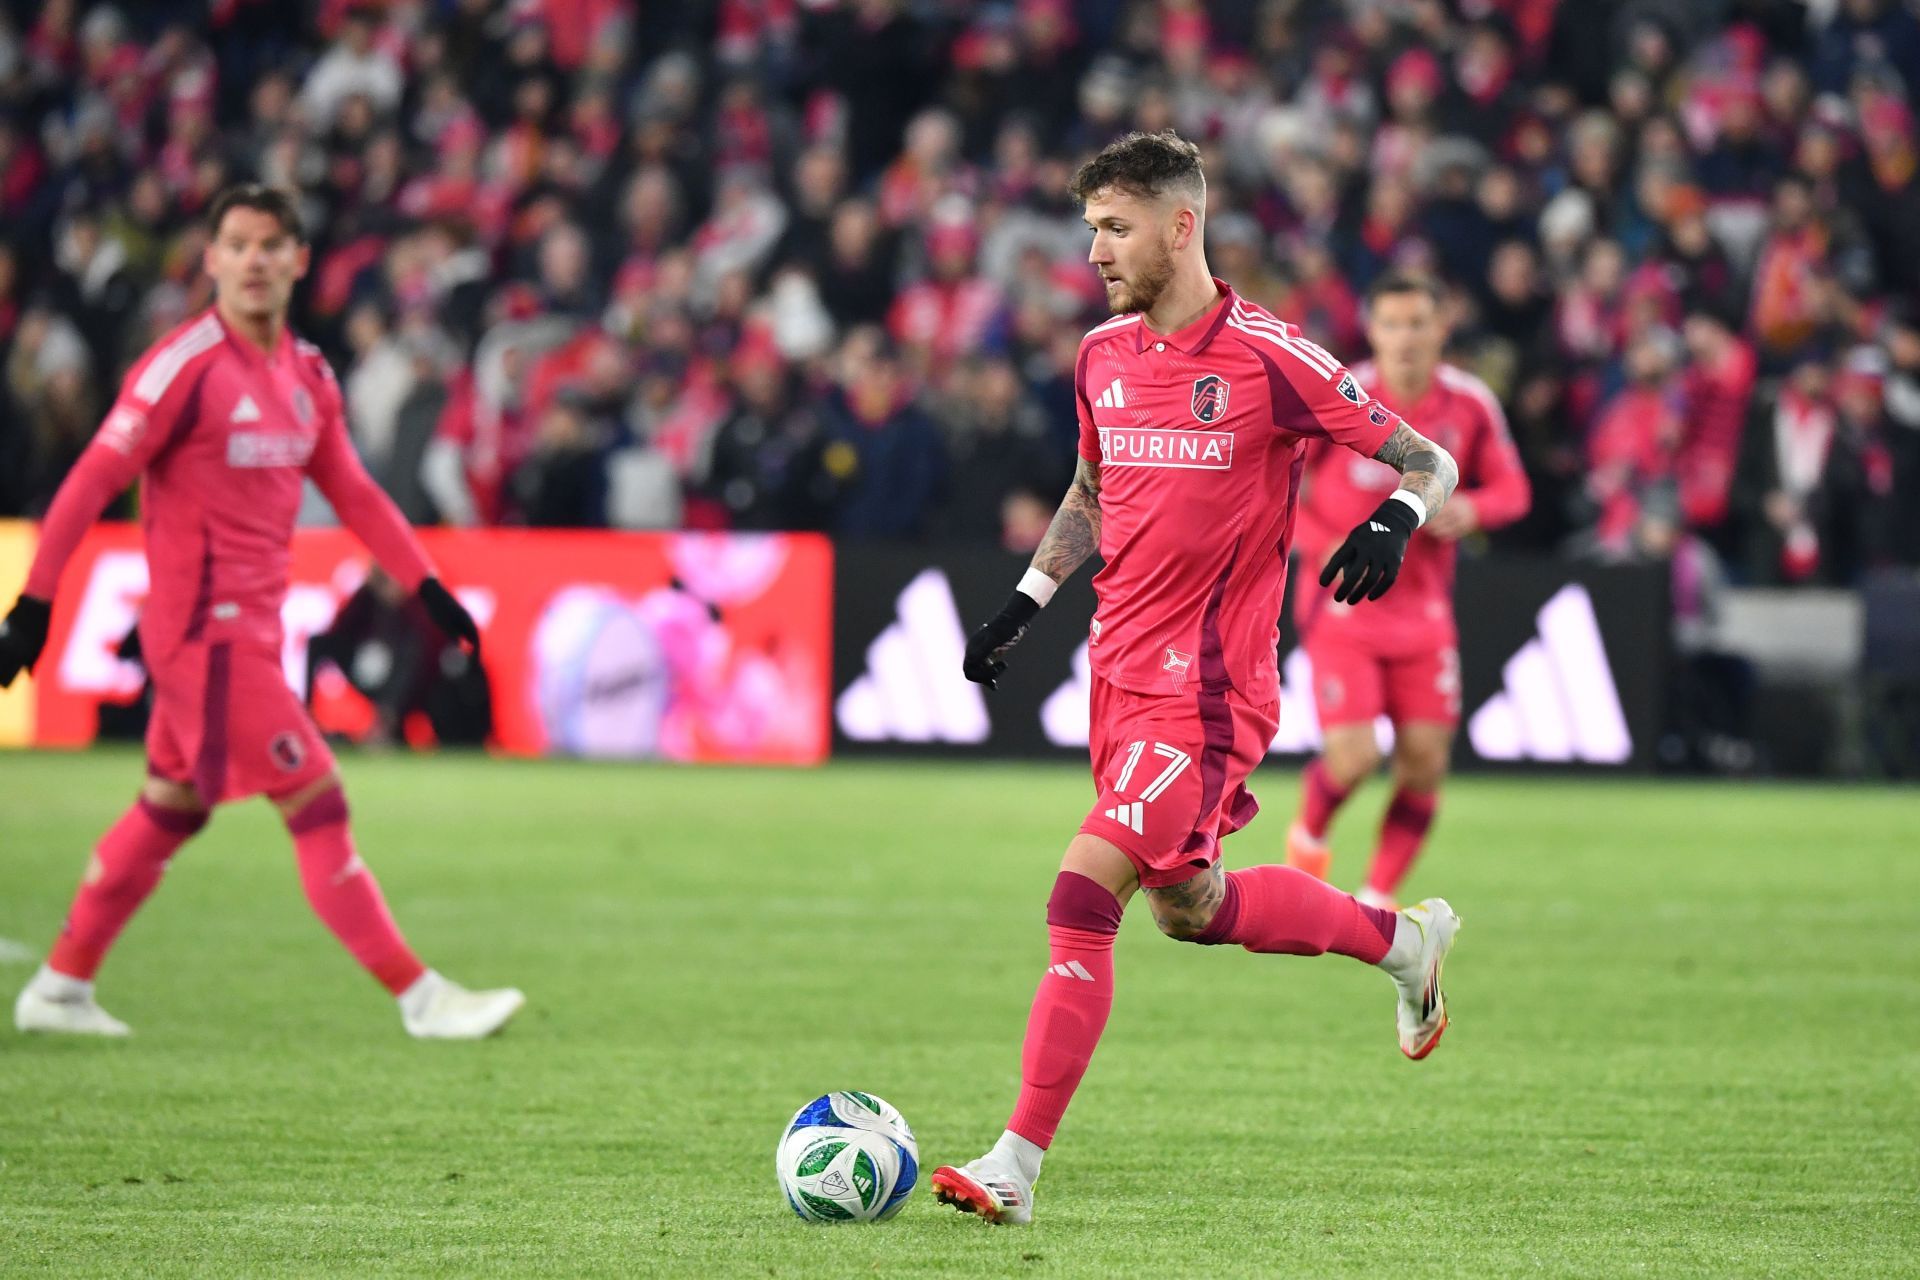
(1369, 560)
(1458, 519)
(23, 634)
(450, 615)
(987, 647)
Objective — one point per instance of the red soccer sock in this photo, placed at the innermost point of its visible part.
(1070, 1008)
(345, 895)
(127, 865)
(1402, 833)
(1285, 911)
(1320, 799)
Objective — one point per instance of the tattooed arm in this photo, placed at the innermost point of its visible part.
(1427, 471)
(1369, 561)
(1074, 534)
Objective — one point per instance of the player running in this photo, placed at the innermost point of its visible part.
(1401, 658)
(1196, 409)
(226, 416)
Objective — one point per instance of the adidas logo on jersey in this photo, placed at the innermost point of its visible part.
(1558, 702)
(1131, 816)
(245, 411)
(1113, 397)
(1071, 969)
(912, 689)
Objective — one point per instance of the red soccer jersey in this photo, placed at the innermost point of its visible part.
(1201, 436)
(225, 435)
(1459, 414)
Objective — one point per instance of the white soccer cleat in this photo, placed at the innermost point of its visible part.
(987, 1187)
(56, 1003)
(434, 1008)
(1422, 1014)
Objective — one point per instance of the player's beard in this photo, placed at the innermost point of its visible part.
(1146, 287)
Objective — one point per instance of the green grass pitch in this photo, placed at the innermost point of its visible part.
(1686, 1037)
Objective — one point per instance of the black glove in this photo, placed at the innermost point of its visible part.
(22, 636)
(1372, 553)
(449, 614)
(988, 646)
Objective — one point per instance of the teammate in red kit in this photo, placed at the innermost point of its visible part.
(226, 417)
(1401, 657)
(1196, 409)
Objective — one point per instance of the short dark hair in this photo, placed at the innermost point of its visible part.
(1388, 283)
(1144, 165)
(258, 195)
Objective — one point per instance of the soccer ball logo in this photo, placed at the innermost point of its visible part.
(1210, 397)
(847, 1157)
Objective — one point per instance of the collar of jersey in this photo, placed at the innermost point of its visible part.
(1190, 340)
(249, 352)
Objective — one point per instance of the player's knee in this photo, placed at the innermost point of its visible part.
(181, 820)
(179, 798)
(1078, 902)
(1185, 911)
(309, 811)
(1183, 925)
(1420, 766)
(1350, 761)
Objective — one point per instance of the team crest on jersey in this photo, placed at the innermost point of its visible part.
(1350, 388)
(303, 406)
(1377, 416)
(287, 751)
(1210, 397)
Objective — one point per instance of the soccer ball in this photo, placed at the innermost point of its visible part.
(847, 1157)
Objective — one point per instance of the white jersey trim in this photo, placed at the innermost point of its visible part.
(1308, 353)
(1118, 322)
(172, 358)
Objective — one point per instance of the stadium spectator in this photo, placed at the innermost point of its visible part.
(885, 453)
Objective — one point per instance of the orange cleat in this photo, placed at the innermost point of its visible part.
(998, 1195)
(1304, 853)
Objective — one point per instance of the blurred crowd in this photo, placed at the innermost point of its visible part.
(811, 264)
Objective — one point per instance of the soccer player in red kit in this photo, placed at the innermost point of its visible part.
(1196, 409)
(1399, 658)
(226, 417)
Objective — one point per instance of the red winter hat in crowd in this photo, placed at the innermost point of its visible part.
(1416, 67)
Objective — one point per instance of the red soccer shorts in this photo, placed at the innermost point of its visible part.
(1172, 772)
(225, 721)
(1356, 682)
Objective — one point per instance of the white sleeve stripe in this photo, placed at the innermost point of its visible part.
(172, 358)
(1114, 323)
(1309, 348)
(1305, 350)
(1285, 345)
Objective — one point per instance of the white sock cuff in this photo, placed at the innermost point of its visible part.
(421, 990)
(1019, 1152)
(54, 985)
